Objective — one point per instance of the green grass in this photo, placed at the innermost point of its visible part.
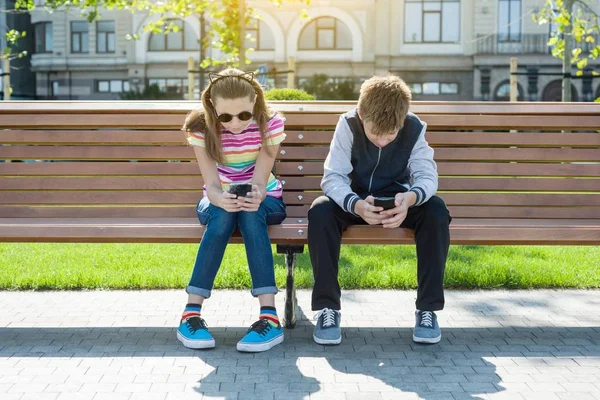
(161, 266)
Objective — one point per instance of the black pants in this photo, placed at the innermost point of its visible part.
(327, 221)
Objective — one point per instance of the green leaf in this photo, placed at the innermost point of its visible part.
(92, 16)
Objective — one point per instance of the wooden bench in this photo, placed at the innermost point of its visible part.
(520, 173)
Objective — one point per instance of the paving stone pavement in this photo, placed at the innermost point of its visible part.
(122, 345)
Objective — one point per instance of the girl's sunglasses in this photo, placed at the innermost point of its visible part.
(243, 116)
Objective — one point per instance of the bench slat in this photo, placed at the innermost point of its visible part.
(293, 211)
(174, 121)
(107, 168)
(492, 122)
(420, 107)
(176, 138)
(99, 197)
(289, 182)
(471, 139)
(73, 137)
(464, 169)
(481, 199)
(286, 153)
(191, 198)
(99, 168)
(97, 152)
(187, 230)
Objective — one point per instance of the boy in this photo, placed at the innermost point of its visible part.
(379, 150)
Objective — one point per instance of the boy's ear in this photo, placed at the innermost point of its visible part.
(358, 112)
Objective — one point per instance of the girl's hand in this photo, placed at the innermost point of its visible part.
(228, 202)
(252, 200)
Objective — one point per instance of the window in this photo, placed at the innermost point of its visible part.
(509, 21)
(105, 36)
(43, 37)
(173, 86)
(449, 88)
(502, 92)
(433, 88)
(54, 86)
(184, 39)
(325, 33)
(416, 88)
(436, 21)
(79, 37)
(262, 35)
(112, 86)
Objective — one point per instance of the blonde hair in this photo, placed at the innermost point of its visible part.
(230, 83)
(384, 101)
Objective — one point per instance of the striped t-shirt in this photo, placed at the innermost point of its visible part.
(240, 152)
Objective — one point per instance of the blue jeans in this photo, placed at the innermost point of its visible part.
(220, 224)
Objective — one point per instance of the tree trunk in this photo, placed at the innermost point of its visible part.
(202, 50)
(566, 84)
(242, 56)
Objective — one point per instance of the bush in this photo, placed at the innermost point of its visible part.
(150, 92)
(325, 88)
(288, 94)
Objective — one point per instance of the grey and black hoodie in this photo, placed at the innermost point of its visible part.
(355, 168)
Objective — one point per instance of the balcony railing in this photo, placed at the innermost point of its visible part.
(527, 44)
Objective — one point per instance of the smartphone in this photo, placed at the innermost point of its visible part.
(240, 189)
(385, 202)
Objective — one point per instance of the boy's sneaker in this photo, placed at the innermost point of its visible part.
(261, 336)
(194, 334)
(327, 330)
(427, 329)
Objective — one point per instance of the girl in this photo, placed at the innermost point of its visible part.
(236, 138)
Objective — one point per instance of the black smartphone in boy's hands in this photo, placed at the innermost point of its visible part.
(385, 202)
(240, 189)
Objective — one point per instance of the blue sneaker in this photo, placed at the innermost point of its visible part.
(261, 336)
(194, 334)
(427, 329)
(328, 330)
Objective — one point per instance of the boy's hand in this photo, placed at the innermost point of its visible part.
(394, 217)
(367, 211)
(252, 200)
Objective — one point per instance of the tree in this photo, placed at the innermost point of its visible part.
(577, 23)
(228, 19)
(10, 52)
(12, 36)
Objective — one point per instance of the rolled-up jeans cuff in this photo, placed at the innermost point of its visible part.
(264, 290)
(198, 291)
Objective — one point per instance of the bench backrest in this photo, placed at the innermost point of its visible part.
(129, 159)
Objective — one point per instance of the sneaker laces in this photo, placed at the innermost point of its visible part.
(328, 317)
(196, 323)
(262, 326)
(427, 318)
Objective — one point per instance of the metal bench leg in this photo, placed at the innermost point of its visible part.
(290, 251)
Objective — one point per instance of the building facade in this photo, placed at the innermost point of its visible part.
(444, 49)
